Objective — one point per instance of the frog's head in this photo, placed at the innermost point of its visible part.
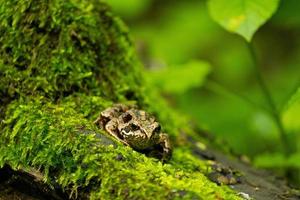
(138, 128)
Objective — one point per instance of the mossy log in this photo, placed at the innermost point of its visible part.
(61, 63)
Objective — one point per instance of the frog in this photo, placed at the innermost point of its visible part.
(137, 129)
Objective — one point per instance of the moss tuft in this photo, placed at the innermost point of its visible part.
(57, 47)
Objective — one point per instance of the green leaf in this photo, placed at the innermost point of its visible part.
(270, 160)
(177, 80)
(243, 17)
(277, 160)
(291, 115)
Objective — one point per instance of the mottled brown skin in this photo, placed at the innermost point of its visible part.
(137, 129)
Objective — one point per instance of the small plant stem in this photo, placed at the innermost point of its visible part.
(220, 89)
(273, 109)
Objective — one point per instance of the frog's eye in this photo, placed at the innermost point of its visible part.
(127, 117)
(127, 129)
(157, 129)
(134, 127)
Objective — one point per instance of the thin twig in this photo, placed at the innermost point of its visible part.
(273, 109)
(218, 88)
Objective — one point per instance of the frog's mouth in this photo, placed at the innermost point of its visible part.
(124, 133)
(132, 133)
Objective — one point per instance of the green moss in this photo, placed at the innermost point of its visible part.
(67, 149)
(61, 63)
(60, 46)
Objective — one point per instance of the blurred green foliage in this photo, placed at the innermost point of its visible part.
(181, 78)
(169, 34)
(278, 160)
(129, 8)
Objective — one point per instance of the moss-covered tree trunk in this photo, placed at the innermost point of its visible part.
(61, 63)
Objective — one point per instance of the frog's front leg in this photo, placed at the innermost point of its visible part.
(165, 143)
